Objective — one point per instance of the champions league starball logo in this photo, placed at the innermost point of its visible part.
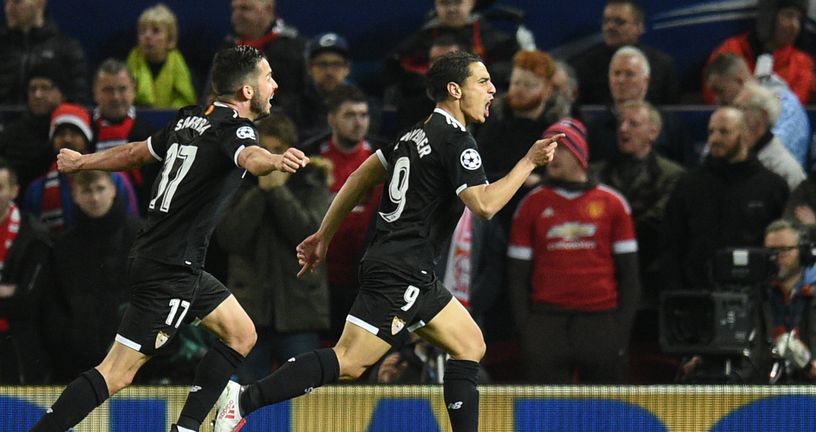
(245, 132)
(470, 159)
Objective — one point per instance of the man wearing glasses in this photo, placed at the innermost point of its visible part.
(623, 23)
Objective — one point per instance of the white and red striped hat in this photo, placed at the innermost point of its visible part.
(72, 114)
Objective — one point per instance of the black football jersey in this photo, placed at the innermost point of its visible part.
(199, 152)
(427, 167)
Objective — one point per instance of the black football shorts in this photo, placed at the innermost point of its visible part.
(162, 297)
(389, 302)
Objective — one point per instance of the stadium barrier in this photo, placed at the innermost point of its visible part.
(352, 408)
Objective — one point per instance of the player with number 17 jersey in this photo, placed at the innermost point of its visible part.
(427, 168)
(199, 152)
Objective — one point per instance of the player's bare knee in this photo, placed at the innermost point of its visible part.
(350, 369)
(473, 348)
(243, 342)
(119, 381)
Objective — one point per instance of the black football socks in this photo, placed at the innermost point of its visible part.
(298, 376)
(462, 395)
(81, 397)
(212, 374)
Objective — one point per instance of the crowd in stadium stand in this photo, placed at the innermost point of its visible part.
(566, 281)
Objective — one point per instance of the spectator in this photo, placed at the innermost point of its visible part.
(255, 23)
(776, 40)
(328, 67)
(25, 269)
(573, 271)
(629, 77)
(646, 180)
(726, 202)
(788, 303)
(29, 39)
(761, 110)
(49, 197)
(162, 77)
(726, 75)
(89, 260)
(115, 121)
(346, 148)
(259, 230)
(455, 19)
(25, 143)
(623, 23)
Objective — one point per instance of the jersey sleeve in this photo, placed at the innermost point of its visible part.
(522, 231)
(463, 163)
(157, 143)
(623, 229)
(237, 138)
(384, 154)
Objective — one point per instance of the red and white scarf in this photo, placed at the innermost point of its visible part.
(8, 232)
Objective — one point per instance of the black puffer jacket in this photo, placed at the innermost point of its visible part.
(20, 51)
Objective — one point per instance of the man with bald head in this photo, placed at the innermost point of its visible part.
(726, 202)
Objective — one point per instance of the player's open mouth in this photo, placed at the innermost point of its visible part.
(487, 108)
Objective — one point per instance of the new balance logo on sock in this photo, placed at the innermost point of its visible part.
(308, 390)
(49, 411)
(194, 389)
(291, 360)
(455, 405)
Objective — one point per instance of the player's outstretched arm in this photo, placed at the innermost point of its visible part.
(259, 161)
(312, 250)
(486, 200)
(120, 158)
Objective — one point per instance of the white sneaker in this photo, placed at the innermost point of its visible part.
(228, 416)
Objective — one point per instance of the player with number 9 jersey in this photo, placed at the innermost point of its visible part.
(427, 168)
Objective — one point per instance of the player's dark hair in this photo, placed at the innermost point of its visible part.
(342, 94)
(4, 165)
(452, 67)
(232, 66)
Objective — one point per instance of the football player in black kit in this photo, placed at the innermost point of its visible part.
(205, 153)
(424, 172)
